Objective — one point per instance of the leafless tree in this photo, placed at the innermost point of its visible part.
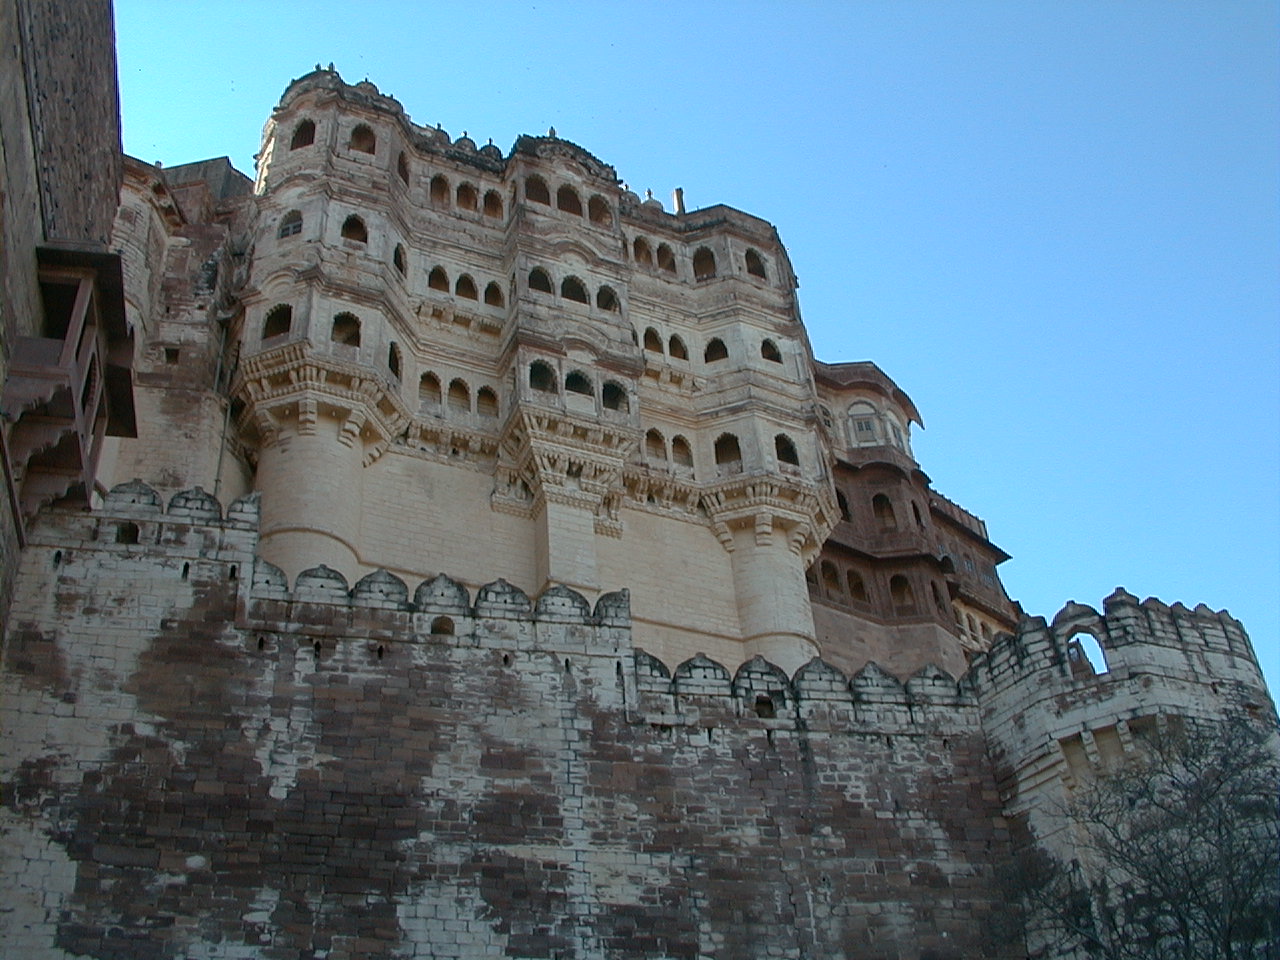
(1177, 855)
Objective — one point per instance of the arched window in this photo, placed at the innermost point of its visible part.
(882, 507)
(676, 348)
(440, 190)
(538, 280)
(863, 418)
(666, 259)
(278, 321)
(493, 204)
(438, 279)
(598, 211)
(728, 454)
(535, 190)
(402, 167)
(655, 448)
(486, 402)
(468, 197)
(716, 350)
(904, 598)
(755, 265)
(353, 228)
(606, 299)
(652, 342)
(614, 397)
(577, 382)
(681, 452)
(290, 224)
(857, 588)
(397, 258)
(459, 397)
(429, 390)
(1086, 656)
(704, 264)
(393, 360)
(346, 330)
(363, 140)
(642, 252)
(442, 627)
(567, 199)
(843, 503)
(304, 135)
(466, 287)
(785, 450)
(769, 350)
(493, 295)
(831, 579)
(542, 377)
(571, 288)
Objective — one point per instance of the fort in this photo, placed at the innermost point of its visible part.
(425, 551)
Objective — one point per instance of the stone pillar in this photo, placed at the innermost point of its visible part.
(773, 599)
(567, 541)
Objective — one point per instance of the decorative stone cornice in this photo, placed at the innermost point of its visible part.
(773, 506)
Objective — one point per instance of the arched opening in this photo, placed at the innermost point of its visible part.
(904, 598)
(567, 199)
(1085, 656)
(486, 402)
(676, 348)
(655, 448)
(831, 579)
(571, 288)
(606, 299)
(429, 390)
(346, 330)
(785, 450)
(393, 360)
(290, 224)
(440, 190)
(857, 587)
(755, 265)
(842, 502)
(538, 280)
(363, 140)
(882, 507)
(459, 397)
(466, 287)
(681, 452)
(278, 322)
(402, 167)
(468, 197)
(535, 190)
(493, 295)
(769, 350)
(641, 252)
(542, 377)
(304, 135)
(398, 260)
(728, 455)
(652, 342)
(438, 279)
(442, 627)
(598, 211)
(666, 259)
(128, 532)
(353, 228)
(493, 204)
(614, 397)
(716, 350)
(704, 264)
(577, 382)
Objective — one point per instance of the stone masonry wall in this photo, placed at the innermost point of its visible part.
(201, 762)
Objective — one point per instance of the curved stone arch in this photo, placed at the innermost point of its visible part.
(760, 678)
(381, 588)
(819, 677)
(269, 581)
(504, 600)
(321, 584)
(702, 673)
(648, 666)
(134, 496)
(932, 684)
(614, 608)
(442, 594)
(874, 682)
(1086, 658)
(563, 605)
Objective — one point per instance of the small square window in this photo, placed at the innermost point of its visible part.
(170, 354)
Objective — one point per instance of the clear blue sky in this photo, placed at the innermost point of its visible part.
(1055, 224)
